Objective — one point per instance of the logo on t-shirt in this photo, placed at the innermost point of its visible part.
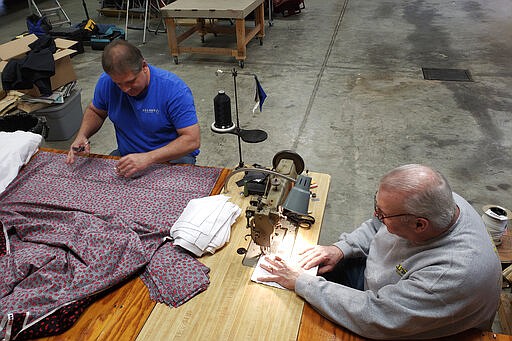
(400, 270)
(151, 110)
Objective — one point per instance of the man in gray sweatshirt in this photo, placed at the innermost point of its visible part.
(423, 267)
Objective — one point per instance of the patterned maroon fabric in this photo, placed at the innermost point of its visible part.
(72, 231)
(56, 322)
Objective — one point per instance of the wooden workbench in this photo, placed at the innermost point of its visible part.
(232, 308)
(202, 10)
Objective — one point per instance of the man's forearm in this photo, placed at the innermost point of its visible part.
(188, 140)
(180, 147)
(91, 123)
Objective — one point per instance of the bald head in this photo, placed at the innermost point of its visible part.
(412, 177)
(121, 57)
(425, 193)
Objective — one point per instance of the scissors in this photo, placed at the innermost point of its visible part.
(81, 148)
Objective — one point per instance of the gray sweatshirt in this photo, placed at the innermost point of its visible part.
(448, 285)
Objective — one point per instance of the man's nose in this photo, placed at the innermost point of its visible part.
(125, 88)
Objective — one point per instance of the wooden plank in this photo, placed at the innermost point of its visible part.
(129, 311)
(208, 50)
(121, 312)
(505, 248)
(233, 307)
(172, 40)
(215, 9)
(251, 34)
(314, 327)
(240, 39)
(186, 34)
(217, 188)
(259, 21)
(505, 312)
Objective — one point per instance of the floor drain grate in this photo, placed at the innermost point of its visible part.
(457, 75)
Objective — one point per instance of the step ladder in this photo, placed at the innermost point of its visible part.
(54, 13)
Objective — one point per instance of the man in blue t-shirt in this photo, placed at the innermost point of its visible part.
(152, 110)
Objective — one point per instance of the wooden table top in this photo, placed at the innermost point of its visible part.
(214, 9)
(233, 307)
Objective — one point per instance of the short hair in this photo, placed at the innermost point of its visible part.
(426, 193)
(121, 57)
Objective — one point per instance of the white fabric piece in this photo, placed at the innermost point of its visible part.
(16, 149)
(205, 224)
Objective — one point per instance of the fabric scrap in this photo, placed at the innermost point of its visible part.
(71, 232)
(205, 224)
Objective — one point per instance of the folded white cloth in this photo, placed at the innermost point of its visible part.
(205, 224)
(16, 149)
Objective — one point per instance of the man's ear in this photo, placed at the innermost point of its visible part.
(421, 224)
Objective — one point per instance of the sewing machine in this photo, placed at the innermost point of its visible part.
(278, 205)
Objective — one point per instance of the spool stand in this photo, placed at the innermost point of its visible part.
(246, 135)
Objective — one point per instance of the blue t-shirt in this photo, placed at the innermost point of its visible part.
(148, 121)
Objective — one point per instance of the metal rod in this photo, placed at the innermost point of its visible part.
(126, 21)
(241, 163)
(240, 73)
(146, 10)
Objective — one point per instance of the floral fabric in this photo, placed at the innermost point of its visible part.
(73, 231)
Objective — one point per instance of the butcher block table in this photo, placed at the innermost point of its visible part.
(206, 13)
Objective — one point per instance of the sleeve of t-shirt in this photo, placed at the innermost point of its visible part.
(182, 110)
(100, 93)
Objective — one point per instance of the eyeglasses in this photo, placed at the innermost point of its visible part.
(380, 216)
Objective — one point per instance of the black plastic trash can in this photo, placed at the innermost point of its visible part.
(24, 122)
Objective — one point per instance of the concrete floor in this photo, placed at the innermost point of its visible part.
(346, 91)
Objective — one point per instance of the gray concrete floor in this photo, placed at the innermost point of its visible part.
(346, 91)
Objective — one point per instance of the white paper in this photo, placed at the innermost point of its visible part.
(260, 272)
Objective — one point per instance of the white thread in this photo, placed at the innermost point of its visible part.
(495, 227)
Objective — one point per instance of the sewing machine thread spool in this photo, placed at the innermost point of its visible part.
(222, 110)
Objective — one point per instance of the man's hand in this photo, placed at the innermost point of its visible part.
(131, 164)
(281, 272)
(326, 257)
(81, 146)
(91, 122)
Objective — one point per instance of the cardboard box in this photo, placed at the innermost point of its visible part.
(64, 72)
